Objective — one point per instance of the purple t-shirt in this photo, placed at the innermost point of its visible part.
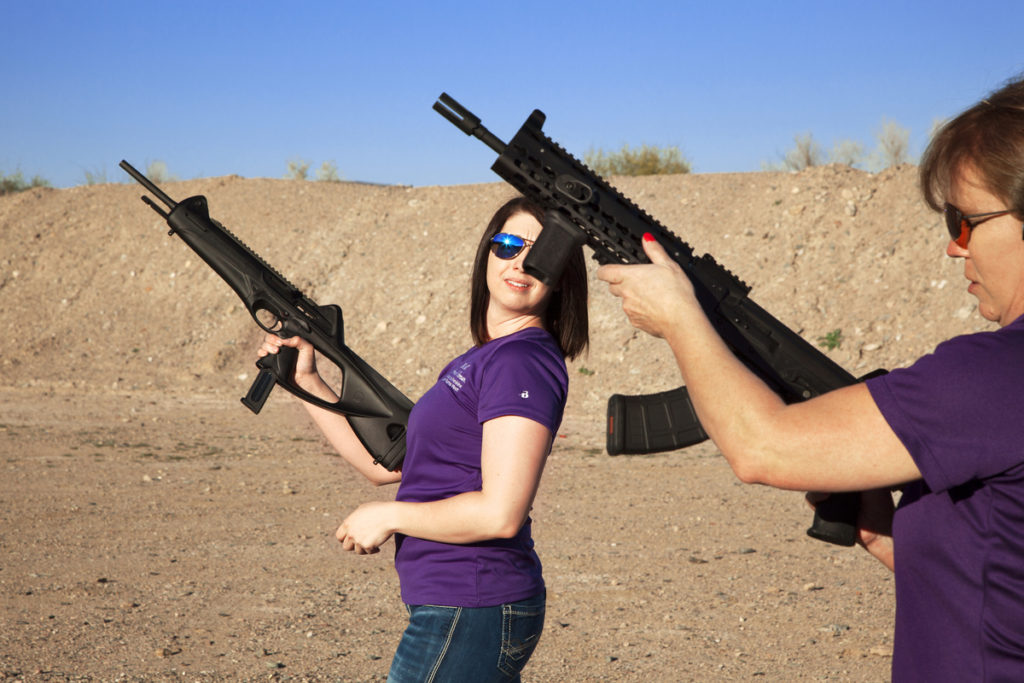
(959, 533)
(521, 374)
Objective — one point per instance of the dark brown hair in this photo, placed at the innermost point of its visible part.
(565, 315)
(989, 137)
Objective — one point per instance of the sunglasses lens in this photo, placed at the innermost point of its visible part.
(956, 224)
(506, 246)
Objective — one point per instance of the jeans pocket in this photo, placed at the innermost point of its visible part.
(521, 625)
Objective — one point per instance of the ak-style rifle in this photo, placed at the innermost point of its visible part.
(582, 208)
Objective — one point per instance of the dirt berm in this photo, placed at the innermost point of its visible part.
(154, 529)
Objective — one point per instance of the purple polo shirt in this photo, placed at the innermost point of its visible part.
(521, 374)
(959, 533)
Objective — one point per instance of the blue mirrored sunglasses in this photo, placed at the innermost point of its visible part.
(507, 246)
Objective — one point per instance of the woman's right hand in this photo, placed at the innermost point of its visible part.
(306, 375)
(653, 295)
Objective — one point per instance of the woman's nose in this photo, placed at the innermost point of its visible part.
(955, 250)
(517, 262)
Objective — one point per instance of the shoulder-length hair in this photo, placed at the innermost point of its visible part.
(565, 315)
(989, 137)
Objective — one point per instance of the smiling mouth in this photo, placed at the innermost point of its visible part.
(516, 284)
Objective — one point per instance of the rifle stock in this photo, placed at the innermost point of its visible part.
(585, 208)
(377, 411)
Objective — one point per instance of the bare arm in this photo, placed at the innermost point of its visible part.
(513, 455)
(334, 426)
(835, 442)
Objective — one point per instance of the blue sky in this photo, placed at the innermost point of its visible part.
(216, 88)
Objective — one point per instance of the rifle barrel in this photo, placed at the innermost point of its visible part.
(145, 182)
(464, 120)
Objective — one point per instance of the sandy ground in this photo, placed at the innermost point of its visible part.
(154, 529)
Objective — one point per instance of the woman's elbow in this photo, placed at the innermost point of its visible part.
(754, 468)
(747, 473)
(507, 531)
(506, 526)
(378, 476)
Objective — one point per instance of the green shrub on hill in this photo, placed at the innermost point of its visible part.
(642, 160)
(15, 182)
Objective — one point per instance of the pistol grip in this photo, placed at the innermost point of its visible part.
(835, 519)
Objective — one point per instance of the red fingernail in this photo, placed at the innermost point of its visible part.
(648, 237)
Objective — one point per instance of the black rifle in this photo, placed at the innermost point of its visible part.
(581, 208)
(376, 410)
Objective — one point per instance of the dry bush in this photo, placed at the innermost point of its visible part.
(639, 161)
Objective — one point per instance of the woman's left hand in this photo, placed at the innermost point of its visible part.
(366, 528)
(874, 522)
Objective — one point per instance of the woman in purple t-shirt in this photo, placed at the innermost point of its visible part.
(948, 431)
(476, 446)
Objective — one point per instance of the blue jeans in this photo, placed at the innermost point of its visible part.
(458, 644)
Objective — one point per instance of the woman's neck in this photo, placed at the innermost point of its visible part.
(502, 327)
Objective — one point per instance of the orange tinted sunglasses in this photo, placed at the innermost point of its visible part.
(960, 224)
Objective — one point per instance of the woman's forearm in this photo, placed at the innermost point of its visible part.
(735, 407)
(339, 433)
(334, 426)
(838, 441)
(468, 517)
(464, 518)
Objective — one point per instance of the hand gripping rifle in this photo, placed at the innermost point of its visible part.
(582, 208)
(376, 410)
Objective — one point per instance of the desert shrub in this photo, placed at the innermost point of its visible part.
(15, 182)
(892, 148)
(847, 153)
(643, 160)
(97, 177)
(893, 144)
(328, 172)
(157, 172)
(298, 169)
(806, 152)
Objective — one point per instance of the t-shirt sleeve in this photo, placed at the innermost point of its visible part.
(527, 380)
(954, 409)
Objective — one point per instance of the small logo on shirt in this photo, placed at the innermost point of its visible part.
(525, 394)
(456, 378)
